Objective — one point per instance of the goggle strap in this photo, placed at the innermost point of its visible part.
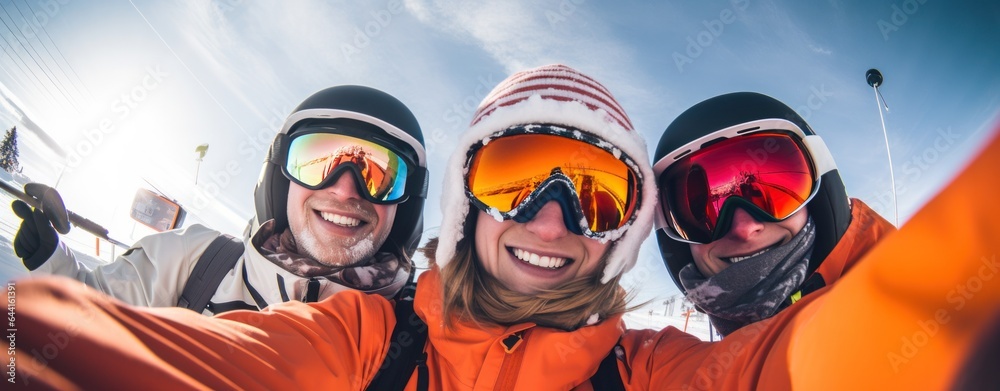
(417, 183)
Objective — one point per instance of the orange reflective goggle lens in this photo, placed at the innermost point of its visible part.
(507, 170)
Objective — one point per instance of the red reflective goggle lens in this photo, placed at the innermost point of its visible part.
(508, 169)
(770, 171)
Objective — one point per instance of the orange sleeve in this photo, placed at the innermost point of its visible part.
(906, 317)
(71, 336)
(911, 310)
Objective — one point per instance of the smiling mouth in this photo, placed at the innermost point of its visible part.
(341, 220)
(737, 259)
(548, 262)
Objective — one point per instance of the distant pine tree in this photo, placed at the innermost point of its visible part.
(8, 151)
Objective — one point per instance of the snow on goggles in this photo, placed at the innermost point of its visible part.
(512, 176)
(316, 158)
(769, 168)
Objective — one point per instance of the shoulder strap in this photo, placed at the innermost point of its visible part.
(406, 348)
(218, 259)
(607, 376)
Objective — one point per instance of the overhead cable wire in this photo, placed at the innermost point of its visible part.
(28, 48)
(25, 69)
(59, 51)
(35, 29)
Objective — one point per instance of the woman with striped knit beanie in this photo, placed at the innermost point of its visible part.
(545, 204)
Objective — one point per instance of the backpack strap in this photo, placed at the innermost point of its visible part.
(406, 348)
(607, 376)
(218, 259)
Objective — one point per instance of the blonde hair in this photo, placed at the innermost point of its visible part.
(471, 293)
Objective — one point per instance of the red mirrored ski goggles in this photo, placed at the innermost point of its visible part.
(770, 168)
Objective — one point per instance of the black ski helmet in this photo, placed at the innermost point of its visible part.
(362, 108)
(830, 208)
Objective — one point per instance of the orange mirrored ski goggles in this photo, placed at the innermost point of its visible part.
(519, 170)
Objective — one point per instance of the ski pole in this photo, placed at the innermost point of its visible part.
(47, 199)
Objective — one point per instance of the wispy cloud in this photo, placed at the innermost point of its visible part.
(525, 34)
(820, 50)
(232, 56)
(522, 34)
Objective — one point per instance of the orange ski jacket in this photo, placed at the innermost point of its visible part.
(867, 228)
(905, 317)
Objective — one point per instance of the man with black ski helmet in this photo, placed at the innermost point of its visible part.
(753, 212)
(323, 223)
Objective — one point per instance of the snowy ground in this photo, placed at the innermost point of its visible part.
(697, 325)
(83, 245)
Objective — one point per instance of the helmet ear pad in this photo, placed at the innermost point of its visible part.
(831, 210)
(271, 193)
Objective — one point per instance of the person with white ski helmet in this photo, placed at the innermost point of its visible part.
(753, 213)
(338, 206)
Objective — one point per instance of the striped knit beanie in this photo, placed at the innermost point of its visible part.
(557, 95)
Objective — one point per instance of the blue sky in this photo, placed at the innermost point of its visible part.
(124, 91)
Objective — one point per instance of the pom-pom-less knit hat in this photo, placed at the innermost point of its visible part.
(551, 95)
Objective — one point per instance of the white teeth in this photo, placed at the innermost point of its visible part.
(538, 260)
(340, 220)
(737, 259)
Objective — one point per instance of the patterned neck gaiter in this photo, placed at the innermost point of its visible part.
(754, 288)
(280, 248)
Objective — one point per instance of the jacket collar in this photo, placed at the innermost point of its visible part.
(867, 228)
(474, 352)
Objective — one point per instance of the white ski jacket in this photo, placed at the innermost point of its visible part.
(154, 271)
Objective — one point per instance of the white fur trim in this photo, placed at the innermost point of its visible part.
(535, 110)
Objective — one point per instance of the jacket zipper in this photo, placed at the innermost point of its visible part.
(511, 365)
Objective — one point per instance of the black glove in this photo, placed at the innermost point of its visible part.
(36, 239)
